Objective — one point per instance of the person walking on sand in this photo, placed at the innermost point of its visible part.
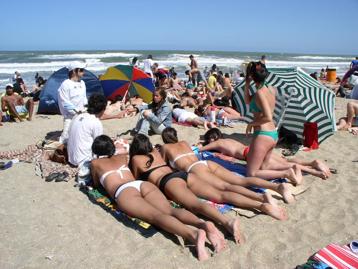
(148, 63)
(194, 71)
(72, 97)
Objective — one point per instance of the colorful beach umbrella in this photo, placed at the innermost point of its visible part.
(299, 99)
(127, 80)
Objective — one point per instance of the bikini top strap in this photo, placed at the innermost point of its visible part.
(183, 155)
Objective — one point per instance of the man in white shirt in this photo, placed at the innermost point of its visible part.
(72, 97)
(148, 63)
(84, 128)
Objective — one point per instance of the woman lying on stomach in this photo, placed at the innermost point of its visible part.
(218, 184)
(143, 200)
(147, 164)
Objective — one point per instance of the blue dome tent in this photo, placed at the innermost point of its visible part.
(48, 98)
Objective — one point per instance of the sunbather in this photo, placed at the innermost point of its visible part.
(146, 163)
(183, 116)
(214, 141)
(144, 200)
(352, 116)
(180, 156)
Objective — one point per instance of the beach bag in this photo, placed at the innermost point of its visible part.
(60, 155)
(310, 135)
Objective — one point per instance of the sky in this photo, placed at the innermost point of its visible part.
(301, 26)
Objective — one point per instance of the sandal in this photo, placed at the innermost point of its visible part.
(52, 176)
(333, 171)
(62, 177)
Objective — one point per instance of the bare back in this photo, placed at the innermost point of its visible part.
(113, 180)
(171, 151)
(139, 166)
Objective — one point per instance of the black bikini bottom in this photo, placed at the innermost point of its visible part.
(166, 178)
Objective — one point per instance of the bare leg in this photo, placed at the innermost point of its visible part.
(232, 178)
(157, 199)
(30, 108)
(205, 190)
(342, 124)
(352, 111)
(140, 208)
(177, 190)
(218, 183)
(13, 111)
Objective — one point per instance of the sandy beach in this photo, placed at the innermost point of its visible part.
(54, 225)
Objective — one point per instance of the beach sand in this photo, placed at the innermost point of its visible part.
(54, 225)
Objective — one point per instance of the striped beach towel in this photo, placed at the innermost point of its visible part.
(337, 257)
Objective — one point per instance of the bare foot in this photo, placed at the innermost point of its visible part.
(205, 125)
(320, 166)
(234, 228)
(215, 237)
(269, 199)
(274, 211)
(200, 246)
(284, 190)
(291, 175)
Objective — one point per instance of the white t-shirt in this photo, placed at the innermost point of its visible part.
(148, 66)
(71, 96)
(84, 129)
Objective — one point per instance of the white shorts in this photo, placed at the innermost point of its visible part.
(134, 184)
(186, 116)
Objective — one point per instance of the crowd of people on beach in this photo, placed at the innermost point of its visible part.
(141, 178)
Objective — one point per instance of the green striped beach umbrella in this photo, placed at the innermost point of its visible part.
(299, 99)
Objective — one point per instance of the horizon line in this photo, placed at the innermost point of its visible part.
(185, 50)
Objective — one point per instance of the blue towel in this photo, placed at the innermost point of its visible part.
(237, 168)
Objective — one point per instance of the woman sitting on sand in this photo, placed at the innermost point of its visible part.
(146, 163)
(144, 200)
(214, 141)
(265, 136)
(155, 116)
(180, 156)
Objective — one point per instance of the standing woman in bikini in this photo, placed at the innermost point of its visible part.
(144, 200)
(146, 163)
(265, 136)
(181, 157)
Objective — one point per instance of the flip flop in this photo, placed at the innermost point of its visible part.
(52, 176)
(333, 171)
(62, 177)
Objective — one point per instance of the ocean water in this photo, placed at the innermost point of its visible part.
(28, 63)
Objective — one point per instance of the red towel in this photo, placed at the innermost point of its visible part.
(337, 257)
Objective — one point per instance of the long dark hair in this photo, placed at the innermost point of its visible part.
(157, 106)
(212, 134)
(141, 145)
(257, 71)
(169, 135)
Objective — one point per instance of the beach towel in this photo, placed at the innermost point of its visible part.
(335, 256)
(240, 169)
(188, 124)
(98, 196)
